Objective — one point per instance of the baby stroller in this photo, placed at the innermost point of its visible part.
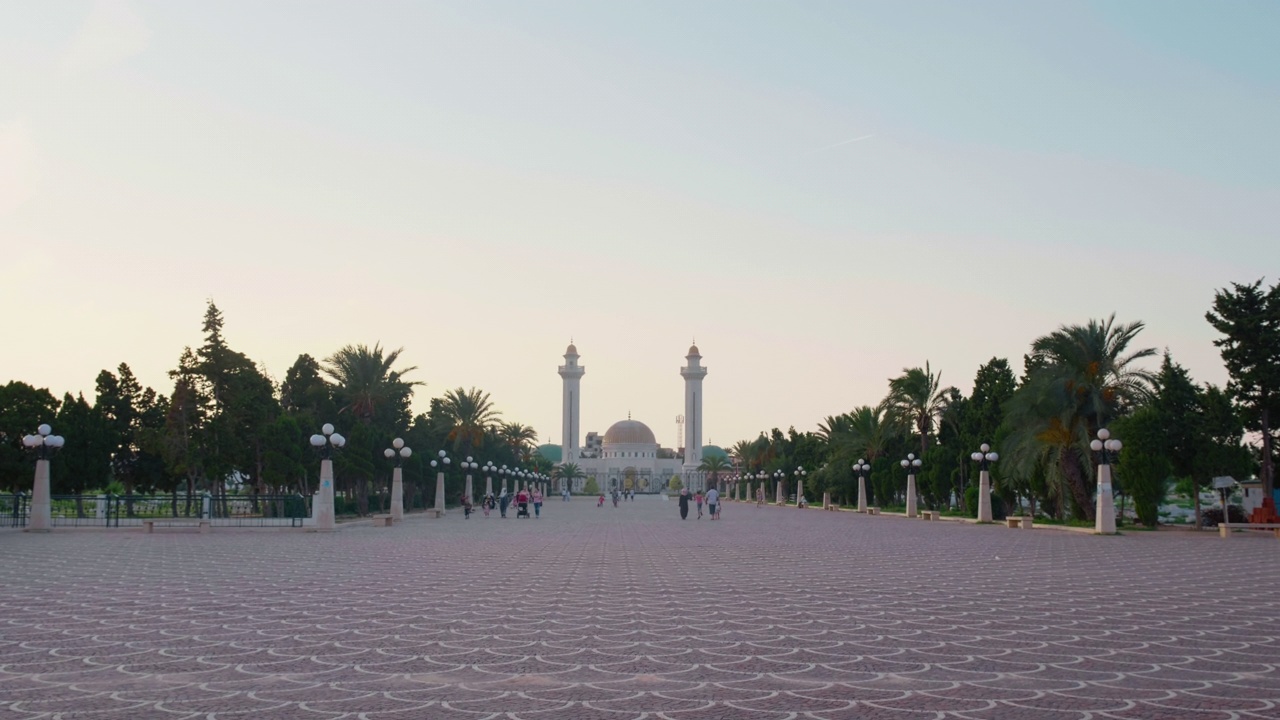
(523, 511)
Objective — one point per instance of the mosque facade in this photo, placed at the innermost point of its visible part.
(627, 456)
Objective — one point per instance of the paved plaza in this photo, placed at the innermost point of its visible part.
(631, 613)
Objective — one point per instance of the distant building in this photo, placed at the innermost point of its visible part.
(627, 456)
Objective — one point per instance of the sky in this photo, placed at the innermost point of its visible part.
(821, 193)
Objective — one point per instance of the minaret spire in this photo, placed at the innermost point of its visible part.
(571, 406)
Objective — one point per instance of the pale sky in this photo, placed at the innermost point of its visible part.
(820, 193)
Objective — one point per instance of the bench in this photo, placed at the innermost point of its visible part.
(833, 507)
(204, 525)
(873, 511)
(1015, 522)
(434, 513)
(929, 515)
(382, 521)
(1225, 528)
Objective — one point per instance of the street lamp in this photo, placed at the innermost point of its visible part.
(468, 466)
(504, 472)
(862, 468)
(778, 476)
(399, 451)
(1106, 448)
(799, 474)
(984, 457)
(912, 466)
(325, 443)
(440, 463)
(44, 442)
(489, 469)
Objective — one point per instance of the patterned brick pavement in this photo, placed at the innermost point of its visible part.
(603, 613)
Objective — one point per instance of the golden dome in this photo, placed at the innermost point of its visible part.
(629, 432)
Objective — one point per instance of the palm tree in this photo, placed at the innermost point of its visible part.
(520, 438)
(713, 465)
(1082, 377)
(745, 452)
(568, 472)
(468, 414)
(916, 401)
(366, 383)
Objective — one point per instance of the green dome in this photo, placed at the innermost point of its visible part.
(714, 451)
(550, 452)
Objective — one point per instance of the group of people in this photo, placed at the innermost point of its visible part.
(712, 500)
(521, 498)
(617, 497)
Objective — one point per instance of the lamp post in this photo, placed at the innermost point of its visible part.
(862, 468)
(1105, 512)
(489, 469)
(799, 474)
(504, 472)
(44, 442)
(441, 463)
(468, 466)
(778, 476)
(761, 477)
(984, 457)
(399, 451)
(322, 510)
(912, 466)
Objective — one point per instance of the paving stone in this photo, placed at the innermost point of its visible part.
(628, 613)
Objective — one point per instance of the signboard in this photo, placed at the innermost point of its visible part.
(1224, 482)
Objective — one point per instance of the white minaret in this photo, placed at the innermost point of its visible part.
(572, 373)
(693, 373)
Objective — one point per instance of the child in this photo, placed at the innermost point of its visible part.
(466, 507)
(600, 502)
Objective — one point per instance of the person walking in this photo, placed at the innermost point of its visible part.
(616, 496)
(466, 507)
(487, 504)
(537, 503)
(684, 503)
(697, 499)
(503, 501)
(760, 497)
(713, 503)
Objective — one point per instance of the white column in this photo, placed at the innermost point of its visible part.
(41, 503)
(470, 498)
(488, 485)
(1105, 511)
(693, 373)
(911, 495)
(323, 509)
(862, 493)
(781, 498)
(397, 495)
(571, 407)
(799, 490)
(984, 497)
(439, 493)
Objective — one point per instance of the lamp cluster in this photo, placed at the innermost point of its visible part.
(984, 455)
(1106, 445)
(911, 463)
(43, 441)
(398, 450)
(329, 439)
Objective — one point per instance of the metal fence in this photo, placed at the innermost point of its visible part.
(131, 510)
(13, 511)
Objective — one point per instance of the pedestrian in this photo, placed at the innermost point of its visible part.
(537, 503)
(713, 500)
(684, 503)
(616, 495)
(487, 504)
(503, 501)
(760, 496)
(466, 507)
(697, 499)
(522, 503)
(600, 502)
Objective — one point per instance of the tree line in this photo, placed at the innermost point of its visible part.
(1075, 381)
(227, 427)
